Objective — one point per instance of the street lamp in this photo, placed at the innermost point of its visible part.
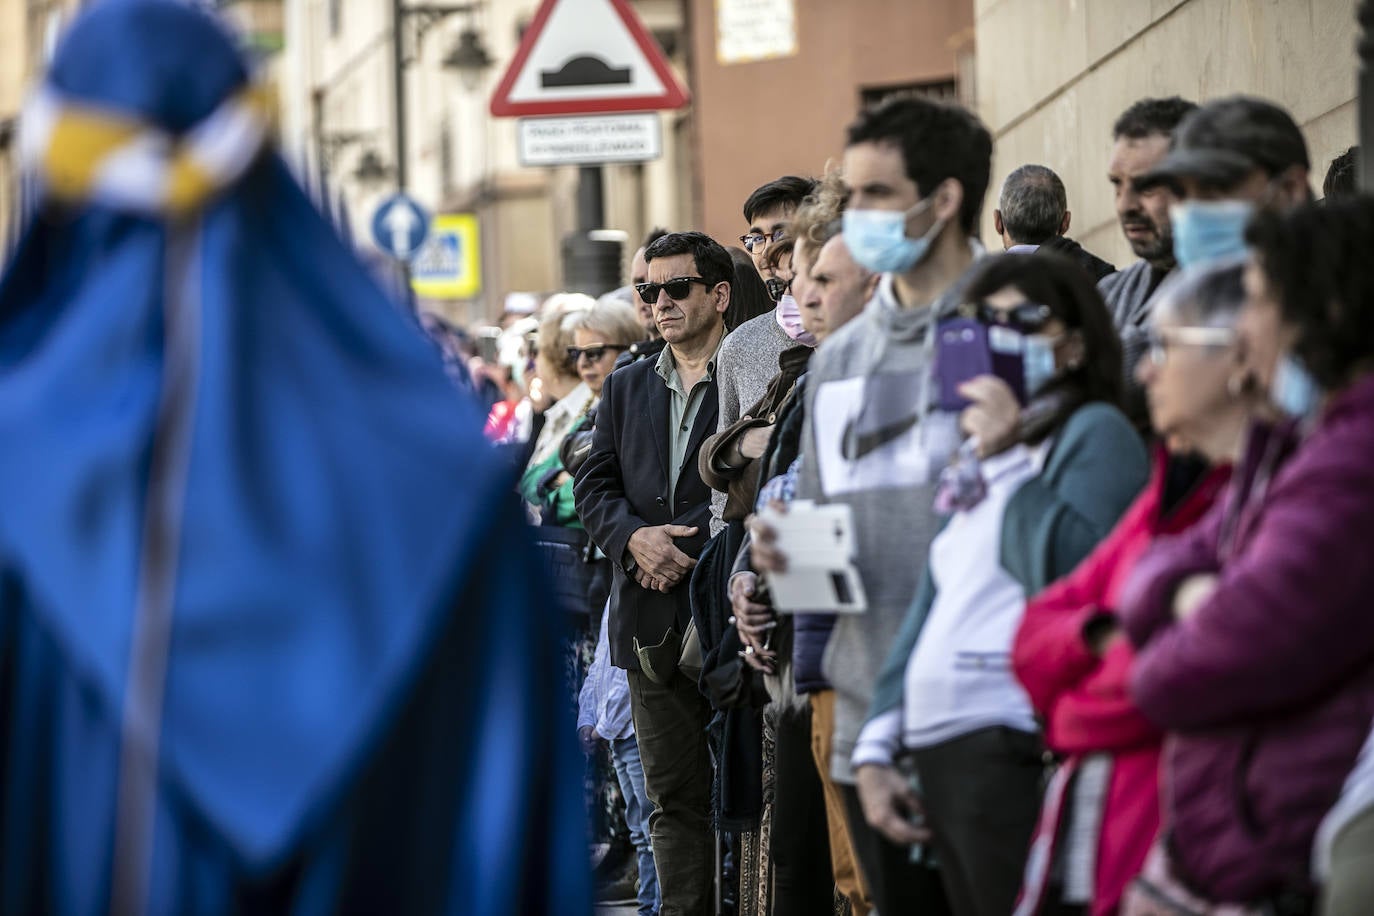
(469, 57)
(370, 169)
(426, 17)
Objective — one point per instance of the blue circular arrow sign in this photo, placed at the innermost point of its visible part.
(399, 226)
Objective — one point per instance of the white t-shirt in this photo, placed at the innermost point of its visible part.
(959, 678)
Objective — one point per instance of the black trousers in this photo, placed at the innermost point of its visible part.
(982, 794)
(802, 878)
(897, 885)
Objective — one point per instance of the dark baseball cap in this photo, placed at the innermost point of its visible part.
(1225, 140)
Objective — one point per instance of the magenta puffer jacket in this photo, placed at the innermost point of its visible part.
(1267, 689)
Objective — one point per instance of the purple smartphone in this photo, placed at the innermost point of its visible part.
(965, 349)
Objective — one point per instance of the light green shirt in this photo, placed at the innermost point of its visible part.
(683, 407)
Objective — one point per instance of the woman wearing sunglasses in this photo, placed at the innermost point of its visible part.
(1034, 489)
(599, 335)
(1101, 810)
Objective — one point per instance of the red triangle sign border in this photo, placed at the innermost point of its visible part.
(674, 95)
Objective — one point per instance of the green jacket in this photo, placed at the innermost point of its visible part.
(1096, 467)
(555, 504)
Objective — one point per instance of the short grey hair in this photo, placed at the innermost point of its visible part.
(1033, 204)
(1209, 294)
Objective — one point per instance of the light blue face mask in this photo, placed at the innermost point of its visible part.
(877, 239)
(1293, 390)
(1037, 363)
(1209, 230)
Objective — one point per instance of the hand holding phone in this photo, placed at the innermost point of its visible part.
(965, 348)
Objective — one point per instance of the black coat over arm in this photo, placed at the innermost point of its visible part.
(623, 486)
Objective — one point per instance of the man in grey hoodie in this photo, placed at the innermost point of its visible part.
(916, 172)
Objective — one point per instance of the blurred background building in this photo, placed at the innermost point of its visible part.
(773, 84)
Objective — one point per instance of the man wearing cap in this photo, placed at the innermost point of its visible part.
(1228, 158)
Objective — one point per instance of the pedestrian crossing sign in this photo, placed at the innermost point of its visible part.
(448, 265)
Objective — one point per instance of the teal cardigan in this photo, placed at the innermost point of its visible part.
(1096, 467)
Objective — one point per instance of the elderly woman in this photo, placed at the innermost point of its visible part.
(557, 393)
(594, 338)
(1253, 634)
(1101, 812)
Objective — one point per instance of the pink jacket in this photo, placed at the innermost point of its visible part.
(1085, 701)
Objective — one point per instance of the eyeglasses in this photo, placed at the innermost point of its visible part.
(676, 288)
(777, 287)
(1159, 342)
(755, 239)
(593, 353)
(1027, 317)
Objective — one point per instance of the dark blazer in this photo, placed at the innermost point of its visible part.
(623, 486)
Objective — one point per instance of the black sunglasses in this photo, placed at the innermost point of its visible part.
(592, 353)
(1027, 317)
(677, 288)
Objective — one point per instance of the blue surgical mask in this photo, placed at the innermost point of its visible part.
(1209, 230)
(1038, 364)
(877, 239)
(1293, 390)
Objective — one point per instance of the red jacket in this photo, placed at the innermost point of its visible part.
(1085, 700)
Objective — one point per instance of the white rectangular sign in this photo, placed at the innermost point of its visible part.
(750, 30)
(590, 139)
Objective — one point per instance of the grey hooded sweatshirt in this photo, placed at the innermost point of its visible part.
(868, 443)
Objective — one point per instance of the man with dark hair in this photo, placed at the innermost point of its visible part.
(643, 502)
(749, 356)
(916, 171)
(1033, 212)
(767, 212)
(1141, 138)
(1341, 176)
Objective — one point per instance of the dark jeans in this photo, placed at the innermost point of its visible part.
(670, 727)
(895, 883)
(802, 878)
(982, 795)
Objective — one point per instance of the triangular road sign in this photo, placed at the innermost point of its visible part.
(584, 57)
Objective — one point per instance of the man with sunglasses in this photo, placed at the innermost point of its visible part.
(643, 502)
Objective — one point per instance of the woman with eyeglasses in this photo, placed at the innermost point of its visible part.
(951, 759)
(1101, 809)
(1253, 631)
